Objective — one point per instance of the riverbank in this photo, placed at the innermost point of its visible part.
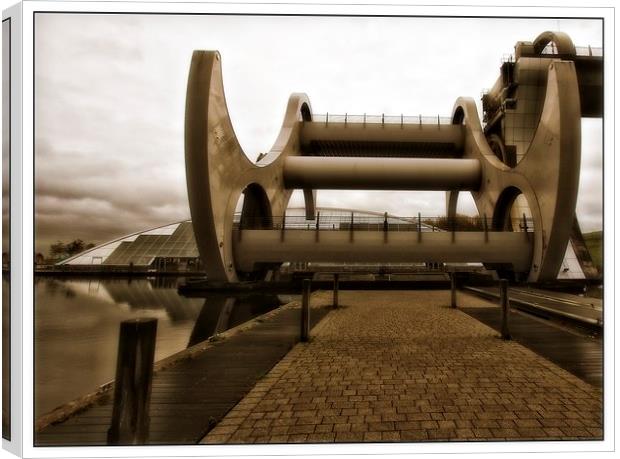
(193, 389)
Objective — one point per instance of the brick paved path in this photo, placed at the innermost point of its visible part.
(402, 366)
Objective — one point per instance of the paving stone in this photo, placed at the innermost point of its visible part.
(414, 435)
(464, 433)
(342, 428)
(402, 366)
(372, 436)
(349, 437)
(390, 436)
(321, 437)
(298, 438)
(441, 434)
(217, 439)
(278, 439)
(300, 429)
(527, 423)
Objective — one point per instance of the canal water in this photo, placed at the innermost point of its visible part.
(77, 322)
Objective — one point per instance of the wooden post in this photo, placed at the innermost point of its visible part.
(453, 289)
(283, 226)
(132, 387)
(336, 286)
(305, 311)
(503, 296)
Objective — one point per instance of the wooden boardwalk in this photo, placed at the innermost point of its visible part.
(190, 397)
(579, 354)
(587, 311)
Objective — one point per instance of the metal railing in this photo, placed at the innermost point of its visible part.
(588, 51)
(354, 222)
(383, 119)
(551, 50)
(579, 50)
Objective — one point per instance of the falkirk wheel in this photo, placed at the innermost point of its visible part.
(527, 151)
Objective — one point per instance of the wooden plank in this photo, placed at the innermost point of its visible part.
(188, 398)
(576, 353)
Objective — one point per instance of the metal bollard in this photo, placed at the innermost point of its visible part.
(503, 296)
(305, 312)
(419, 227)
(316, 231)
(132, 387)
(385, 227)
(336, 279)
(283, 227)
(351, 229)
(453, 289)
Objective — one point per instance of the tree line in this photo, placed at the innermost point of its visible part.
(60, 250)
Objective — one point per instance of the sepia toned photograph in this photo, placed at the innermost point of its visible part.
(315, 229)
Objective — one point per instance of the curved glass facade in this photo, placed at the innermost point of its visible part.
(173, 242)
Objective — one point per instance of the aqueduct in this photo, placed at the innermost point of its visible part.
(521, 166)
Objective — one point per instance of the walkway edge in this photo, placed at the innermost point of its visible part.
(527, 306)
(99, 396)
(250, 400)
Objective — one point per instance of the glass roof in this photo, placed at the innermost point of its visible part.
(173, 241)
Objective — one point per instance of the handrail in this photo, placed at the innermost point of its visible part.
(551, 50)
(418, 223)
(383, 119)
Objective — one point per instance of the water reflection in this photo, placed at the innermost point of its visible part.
(77, 320)
(220, 312)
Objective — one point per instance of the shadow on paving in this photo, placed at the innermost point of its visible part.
(577, 354)
(189, 398)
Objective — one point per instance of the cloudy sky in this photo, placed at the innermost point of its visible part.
(110, 100)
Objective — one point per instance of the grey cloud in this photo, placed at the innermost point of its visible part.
(110, 97)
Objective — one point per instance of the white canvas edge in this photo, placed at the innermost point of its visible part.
(29, 7)
(15, 444)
